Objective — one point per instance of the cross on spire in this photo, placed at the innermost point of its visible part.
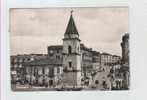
(71, 11)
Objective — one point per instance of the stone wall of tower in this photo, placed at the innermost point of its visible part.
(74, 57)
(72, 74)
(73, 43)
(76, 62)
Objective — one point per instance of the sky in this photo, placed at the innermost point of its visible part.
(33, 30)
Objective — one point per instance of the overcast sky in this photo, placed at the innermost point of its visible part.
(32, 30)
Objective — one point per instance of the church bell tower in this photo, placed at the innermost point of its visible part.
(71, 56)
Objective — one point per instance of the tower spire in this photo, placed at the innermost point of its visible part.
(71, 27)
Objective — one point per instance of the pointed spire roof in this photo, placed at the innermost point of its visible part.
(71, 27)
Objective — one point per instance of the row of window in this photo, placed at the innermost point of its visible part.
(16, 66)
(21, 59)
(51, 52)
(40, 71)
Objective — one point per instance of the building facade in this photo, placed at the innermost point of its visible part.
(107, 59)
(44, 72)
(17, 61)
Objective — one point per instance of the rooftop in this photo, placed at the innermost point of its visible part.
(45, 61)
(55, 47)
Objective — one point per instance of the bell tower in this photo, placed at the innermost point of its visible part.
(71, 56)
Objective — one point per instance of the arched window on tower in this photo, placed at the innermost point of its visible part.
(70, 64)
(69, 49)
(78, 49)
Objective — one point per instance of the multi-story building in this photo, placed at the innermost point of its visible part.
(55, 52)
(17, 61)
(107, 59)
(44, 72)
(86, 60)
(96, 60)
